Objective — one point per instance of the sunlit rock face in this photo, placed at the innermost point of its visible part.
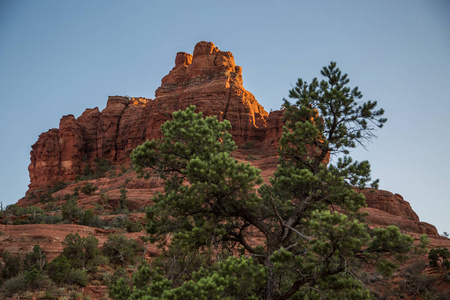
(208, 79)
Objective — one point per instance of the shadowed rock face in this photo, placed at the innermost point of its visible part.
(386, 208)
(208, 79)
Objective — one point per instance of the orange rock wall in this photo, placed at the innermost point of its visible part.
(208, 79)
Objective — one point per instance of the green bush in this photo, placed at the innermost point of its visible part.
(61, 271)
(33, 278)
(88, 189)
(423, 243)
(439, 259)
(123, 200)
(133, 226)
(120, 250)
(12, 265)
(35, 259)
(120, 290)
(70, 210)
(103, 166)
(13, 285)
(81, 251)
(90, 219)
(78, 277)
(57, 187)
(57, 269)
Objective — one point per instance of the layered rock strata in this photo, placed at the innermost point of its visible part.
(208, 79)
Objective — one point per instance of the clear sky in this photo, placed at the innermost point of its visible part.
(61, 57)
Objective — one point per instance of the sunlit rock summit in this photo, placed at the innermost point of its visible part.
(208, 79)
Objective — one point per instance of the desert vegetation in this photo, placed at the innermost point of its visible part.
(222, 232)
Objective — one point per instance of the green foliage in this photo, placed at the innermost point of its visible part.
(121, 290)
(88, 188)
(27, 215)
(123, 200)
(390, 240)
(78, 277)
(47, 195)
(81, 251)
(120, 250)
(103, 166)
(131, 226)
(439, 259)
(12, 265)
(35, 259)
(423, 244)
(88, 218)
(335, 111)
(13, 285)
(211, 209)
(142, 276)
(386, 267)
(59, 268)
(70, 210)
(57, 187)
(33, 278)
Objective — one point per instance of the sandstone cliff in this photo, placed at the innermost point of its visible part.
(208, 79)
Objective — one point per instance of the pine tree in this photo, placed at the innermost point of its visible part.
(307, 217)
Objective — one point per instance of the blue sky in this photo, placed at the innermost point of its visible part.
(61, 57)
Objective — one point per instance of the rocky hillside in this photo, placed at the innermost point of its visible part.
(208, 79)
(94, 150)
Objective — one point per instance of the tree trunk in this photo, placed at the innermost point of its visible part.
(270, 283)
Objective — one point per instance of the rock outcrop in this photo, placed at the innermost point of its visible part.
(386, 208)
(390, 203)
(208, 79)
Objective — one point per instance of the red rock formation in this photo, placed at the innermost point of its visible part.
(71, 143)
(211, 80)
(89, 122)
(386, 209)
(45, 160)
(208, 79)
(390, 203)
(20, 239)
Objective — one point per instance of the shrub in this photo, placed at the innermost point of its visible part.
(121, 250)
(119, 222)
(88, 188)
(33, 278)
(14, 285)
(12, 265)
(423, 243)
(439, 259)
(81, 251)
(57, 187)
(35, 259)
(57, 269)
(120, 290)
(78, 277)
(133, 226)
(123, 200)
(90, 219)
(103, 166)
(70, 210)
